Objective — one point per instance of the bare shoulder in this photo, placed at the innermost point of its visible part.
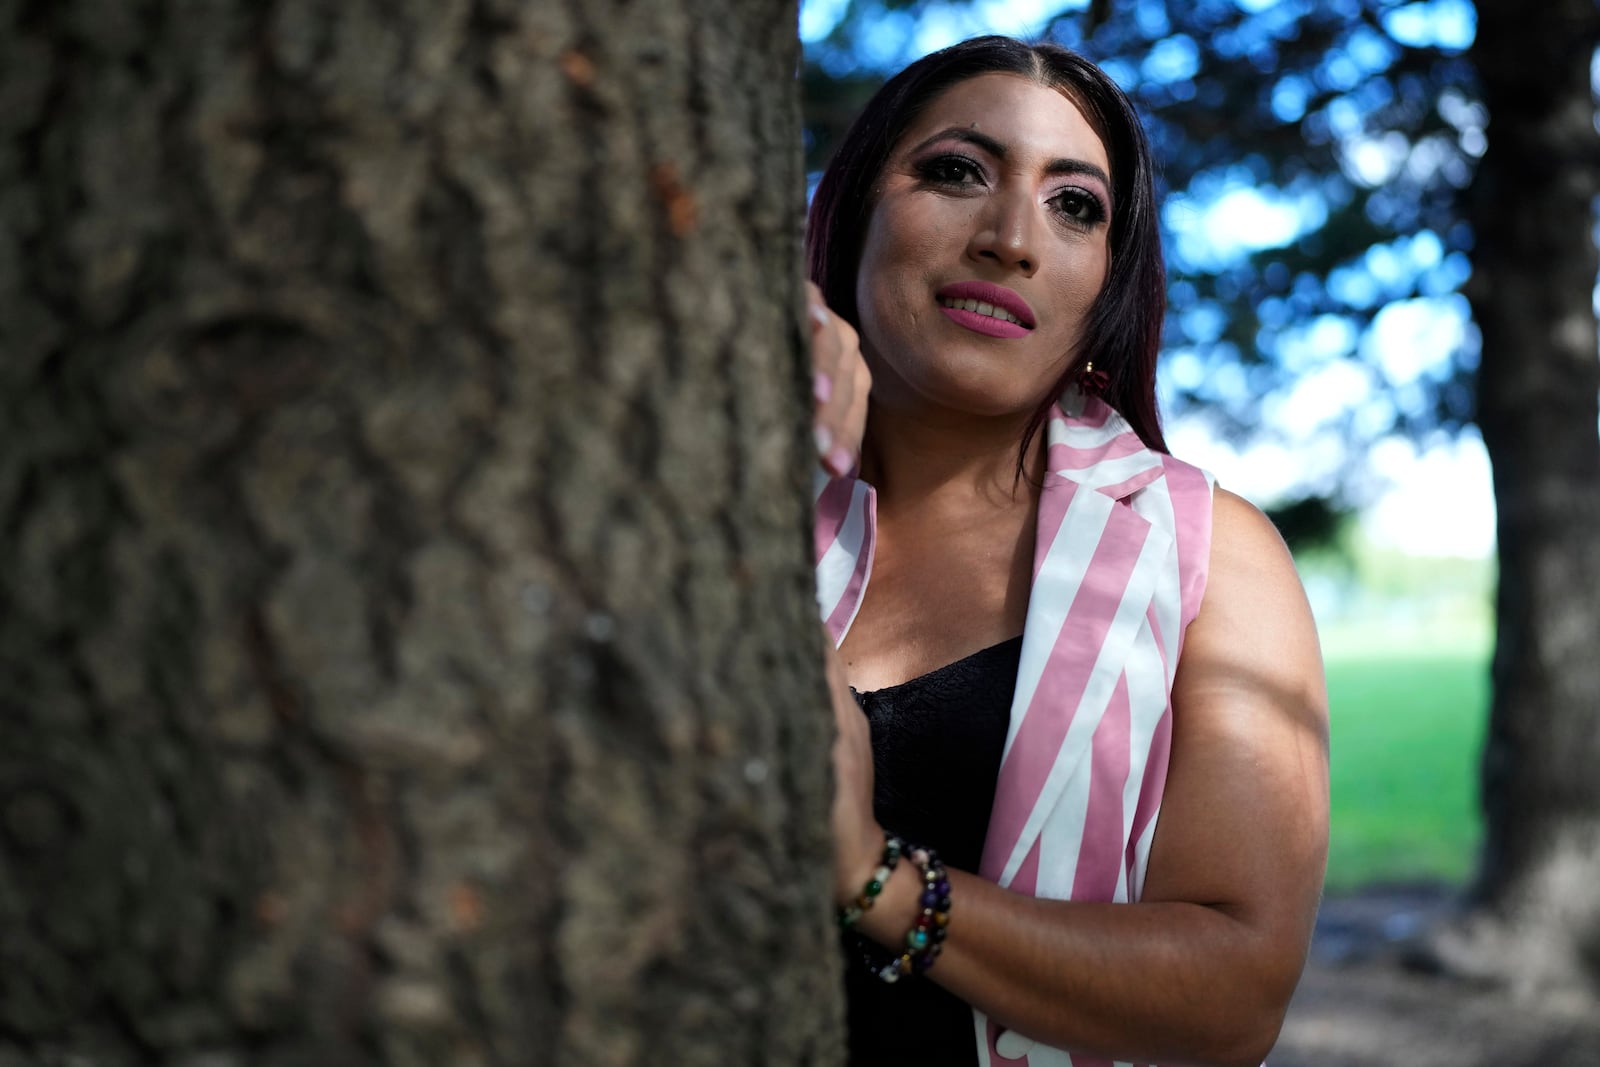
(1240, 530)
(1251, 567)
(1254, 625)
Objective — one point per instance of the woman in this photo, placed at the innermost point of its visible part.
(1091, 680)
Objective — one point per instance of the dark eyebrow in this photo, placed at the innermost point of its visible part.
(998, 150)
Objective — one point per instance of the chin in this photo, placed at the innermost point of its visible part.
(987, 404)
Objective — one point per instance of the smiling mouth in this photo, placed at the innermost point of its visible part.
(981, 308)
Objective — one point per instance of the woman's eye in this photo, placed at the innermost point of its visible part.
(1079, 206)
(949, 170)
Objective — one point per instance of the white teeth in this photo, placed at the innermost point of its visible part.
(981, 308)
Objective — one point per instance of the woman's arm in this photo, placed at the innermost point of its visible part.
(1201, 969)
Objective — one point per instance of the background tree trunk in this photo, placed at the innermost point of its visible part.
(406, 628)
(1534, 269)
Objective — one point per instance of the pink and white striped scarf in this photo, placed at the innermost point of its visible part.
(1120, 556)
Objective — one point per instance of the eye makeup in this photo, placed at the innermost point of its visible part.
(1092, 179)
(1092, 199)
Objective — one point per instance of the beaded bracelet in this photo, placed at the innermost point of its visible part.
(925, 939)
(851, 913)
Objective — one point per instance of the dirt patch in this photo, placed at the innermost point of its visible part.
(1370, 998)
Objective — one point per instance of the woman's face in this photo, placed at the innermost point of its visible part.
(987, 246)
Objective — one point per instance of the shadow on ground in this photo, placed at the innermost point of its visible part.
(1364, 1001)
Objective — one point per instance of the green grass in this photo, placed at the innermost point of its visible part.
(1407, 645)
(1406, 735)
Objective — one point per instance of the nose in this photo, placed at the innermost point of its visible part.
(1005, 232)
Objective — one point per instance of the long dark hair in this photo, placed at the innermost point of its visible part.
(1123, 332)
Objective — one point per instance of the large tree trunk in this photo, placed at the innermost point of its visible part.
(1533, 277)
(407, 652)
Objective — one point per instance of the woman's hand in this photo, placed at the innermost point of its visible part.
(857, 837)
(840, 382)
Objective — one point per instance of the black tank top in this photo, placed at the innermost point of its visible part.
(936, 745)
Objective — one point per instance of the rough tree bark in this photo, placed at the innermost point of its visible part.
(407, 652)
(1534, 267)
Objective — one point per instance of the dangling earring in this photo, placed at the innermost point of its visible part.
(1093, 382)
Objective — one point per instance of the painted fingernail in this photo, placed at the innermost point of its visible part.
(819, 315)
(824, 438)
(821, 387)
(840, 460)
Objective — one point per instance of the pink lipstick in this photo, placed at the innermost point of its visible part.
(992, 310)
